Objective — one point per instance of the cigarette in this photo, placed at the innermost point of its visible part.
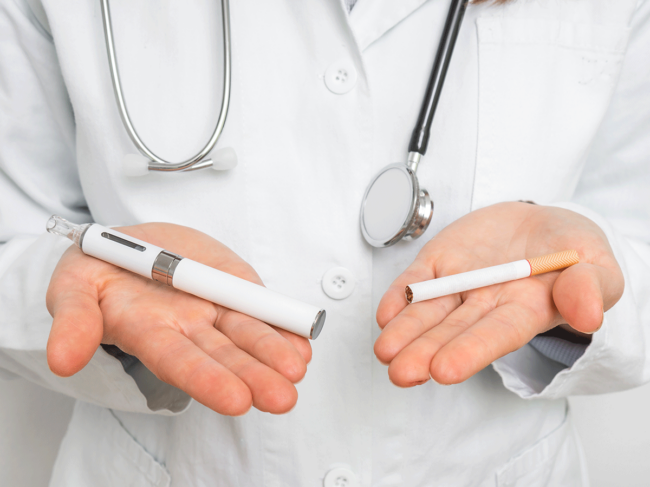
(497, 274)
(186, 275)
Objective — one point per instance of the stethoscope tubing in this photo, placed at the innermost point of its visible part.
(158, 163)
(420, 136)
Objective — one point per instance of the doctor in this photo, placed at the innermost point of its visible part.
(544, 101)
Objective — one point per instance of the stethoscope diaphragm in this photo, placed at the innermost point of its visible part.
(394, 207)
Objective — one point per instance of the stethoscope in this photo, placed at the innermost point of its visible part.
(147, 160)
(394, 206)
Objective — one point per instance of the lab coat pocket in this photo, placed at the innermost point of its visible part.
(553, 460)
(544, 88)
(98, 451)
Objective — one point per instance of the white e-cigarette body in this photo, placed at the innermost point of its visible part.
(186, 275)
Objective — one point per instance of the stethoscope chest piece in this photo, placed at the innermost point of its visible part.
(394, 207)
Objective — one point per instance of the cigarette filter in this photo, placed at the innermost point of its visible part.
(186, 275)
(497, 274)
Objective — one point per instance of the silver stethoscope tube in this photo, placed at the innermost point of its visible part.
(158, 163)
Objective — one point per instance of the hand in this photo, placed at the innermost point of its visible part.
(453, 337)
(225, 360)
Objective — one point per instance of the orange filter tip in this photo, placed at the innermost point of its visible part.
(553, 262)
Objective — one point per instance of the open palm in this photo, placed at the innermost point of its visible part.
(226, 360)
(453, 337)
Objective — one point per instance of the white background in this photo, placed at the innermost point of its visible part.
(615, 432)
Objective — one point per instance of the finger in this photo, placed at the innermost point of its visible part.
(503, 330)
(394, 299)
(415, 320)
(412, 365)
(582, 292)
(175, 359)
(300, 343)
(77, 328)
(271, 391)
(263, 342)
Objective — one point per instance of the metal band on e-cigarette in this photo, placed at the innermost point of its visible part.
(83, 234)
(164, 267)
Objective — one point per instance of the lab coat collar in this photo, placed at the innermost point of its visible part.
(371, 19)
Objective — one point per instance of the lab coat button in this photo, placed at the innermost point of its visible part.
(341, 76)
(340, 477)
(338, 283)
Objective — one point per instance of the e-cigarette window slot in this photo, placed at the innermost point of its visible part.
(122, 241)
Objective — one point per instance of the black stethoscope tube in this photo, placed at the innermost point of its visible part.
(420, 137)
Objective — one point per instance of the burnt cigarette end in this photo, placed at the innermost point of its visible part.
(409, 295)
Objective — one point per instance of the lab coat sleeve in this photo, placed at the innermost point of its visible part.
(614, 192)
(39, 177)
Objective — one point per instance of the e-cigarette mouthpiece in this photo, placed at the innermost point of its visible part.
(63, 228)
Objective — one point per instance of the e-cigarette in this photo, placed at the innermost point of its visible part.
(186, 275)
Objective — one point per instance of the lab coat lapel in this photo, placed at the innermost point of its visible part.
(371, 19)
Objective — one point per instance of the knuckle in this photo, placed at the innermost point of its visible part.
(433, 343)
(456, 324)
(482, 301)
(266, 341)
(222, 349)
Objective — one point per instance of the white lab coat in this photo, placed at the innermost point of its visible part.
(545, 101)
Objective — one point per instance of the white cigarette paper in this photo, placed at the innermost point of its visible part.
(488, 276)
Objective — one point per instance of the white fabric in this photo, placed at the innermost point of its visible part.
(350, 4)
(543, 101)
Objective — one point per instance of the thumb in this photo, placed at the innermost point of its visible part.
(76, 332)
(581, 294)
(394, 299)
